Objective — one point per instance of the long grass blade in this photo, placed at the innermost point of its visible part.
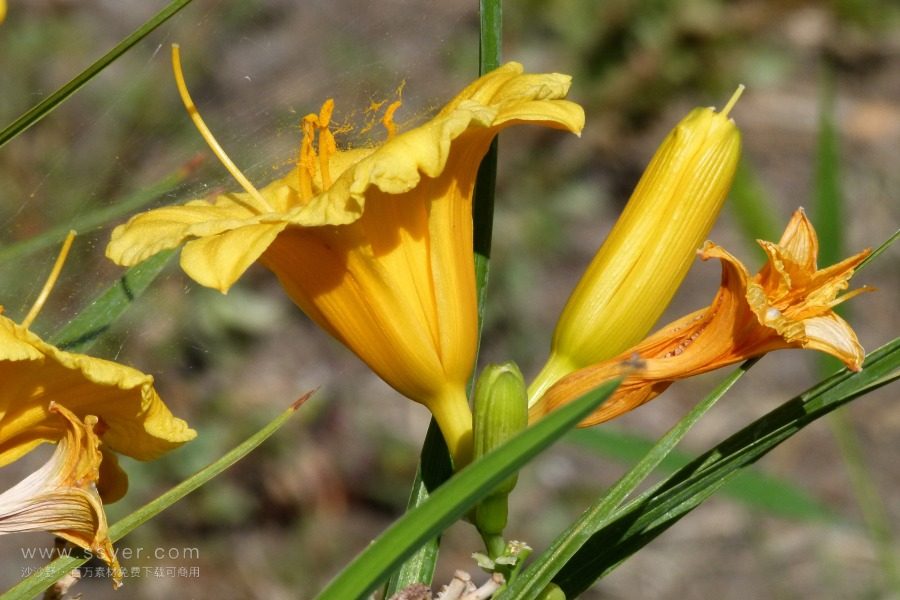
(644, 519)
(751, 488)
(43, 108)
(96, 318)
(456, 497)
(531, 583)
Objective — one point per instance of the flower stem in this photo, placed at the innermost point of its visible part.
(452, 413)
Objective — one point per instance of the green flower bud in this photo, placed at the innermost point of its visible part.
(501, 411)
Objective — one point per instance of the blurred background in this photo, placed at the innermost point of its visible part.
(283, 521)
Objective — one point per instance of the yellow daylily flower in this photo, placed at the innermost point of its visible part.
(133, 419)
(643, 261)
(2, 10)
(373, 243)
(788, 304)
(61, 497)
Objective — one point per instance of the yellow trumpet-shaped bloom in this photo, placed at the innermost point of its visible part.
(373, 243)
(639, 267)
(788, 304)
(133, 419)
(61, 497)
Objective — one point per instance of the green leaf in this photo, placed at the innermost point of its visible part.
(751, 487)
(531, 583)
(43, 578)
(453, 499)
(83, 330)
(43, 108)
(434, 469)
(829, 210)
(647, 517)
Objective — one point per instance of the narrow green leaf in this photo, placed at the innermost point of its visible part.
(43, 108)
(829, 215)
(419, 568)
(530, 584)
(641, 521)
(491, 31)
(434, 469)
(751, 487)
(453, 499)
(879, 250)
(829, 211)
(83, 330)
(35, 584)
(94, 219)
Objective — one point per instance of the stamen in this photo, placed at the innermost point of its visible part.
(327, 145)
(306, 161)
(207, 134)
(51, 281)
(388, 119)
(734, 98)
(851, 294)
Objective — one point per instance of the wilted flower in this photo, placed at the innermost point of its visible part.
(788, 304)
(373, 243)
(61, 497)
(641, 264)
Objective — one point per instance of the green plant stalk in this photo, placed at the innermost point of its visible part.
(35, 584)
(531, 583)
(830, 218)
(490, 38)
(82, 331)
(455, 498)
(645, 518)
(43, 108)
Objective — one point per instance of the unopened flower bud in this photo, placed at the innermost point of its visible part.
(641, 264)
(501, 411)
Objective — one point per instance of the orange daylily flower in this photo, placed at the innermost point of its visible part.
(788, 304)
(61, 497)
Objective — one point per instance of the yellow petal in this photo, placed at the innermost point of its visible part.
(217, 261)
(154, 231)
(34, 373)
(61, 497)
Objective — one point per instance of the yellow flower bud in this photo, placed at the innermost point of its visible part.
(636, 272)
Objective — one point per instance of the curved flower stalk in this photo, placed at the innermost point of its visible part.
(787, 304)
(643, 261)
(374, 244)
(61, 497)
